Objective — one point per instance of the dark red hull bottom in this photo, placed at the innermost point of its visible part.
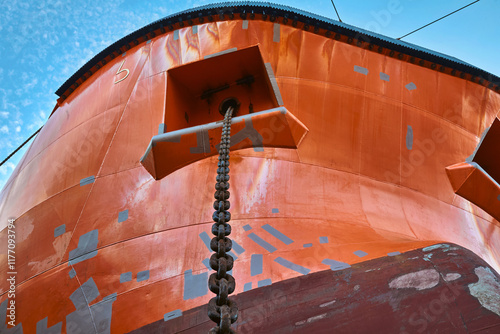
(438, 289)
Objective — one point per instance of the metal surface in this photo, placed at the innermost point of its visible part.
(285, 15)
(437, 289)
(348, 185)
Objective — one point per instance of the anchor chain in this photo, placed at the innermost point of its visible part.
(222, 310)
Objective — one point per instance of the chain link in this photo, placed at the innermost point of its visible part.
(222, 310)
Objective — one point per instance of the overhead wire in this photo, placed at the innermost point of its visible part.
(19, 147)
(436, 20)
(336, 11)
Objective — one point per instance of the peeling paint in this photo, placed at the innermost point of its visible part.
(452, 277)
(433, 247)
(311, 319)
(420, 280)
(486, 289)
(328, 304)
(427, 257)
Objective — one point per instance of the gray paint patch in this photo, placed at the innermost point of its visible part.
(244, 24)
(122, 216)
(411, 86)
(256, 263)
(126, 277)
(420, 280)
(360, 69)
(274, 83)
(18, 329)
(149, 41)
(275, 210)
(276, 33)
(293, 266)
(172, 315)
(87, 180)
(247, 227)
(336, 265)
(486, 289)
(264, 282)
(323, 240)
(206, 262)
(247, 286)
(307, 245)
(176, 35)
(59, 230)
(220, 53)
(80, 322)
(161, 128)
(90, 290)
(194, 29)
(142, 275)
(171, 138)
(195, 285)
(72, 273)
(206, 240)
(451, 277)
(277, 234)
(87, 245)
(41, 327)
(102, 312)
(498, 198)
(360, 253)
(233, 255)
(237, 248)
(262, 243)
(409, 137)
(384, 77)
(393, 253)
(202, 142)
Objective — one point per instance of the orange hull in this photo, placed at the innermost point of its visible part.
(348, 155)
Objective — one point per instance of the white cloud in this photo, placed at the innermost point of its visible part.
(18, 129)
(4, 129)
(5, 168)
(42, 114)
(30, 84)
(26, 102)
(4, 114)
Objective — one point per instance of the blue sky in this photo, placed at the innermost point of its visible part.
(43, 42)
